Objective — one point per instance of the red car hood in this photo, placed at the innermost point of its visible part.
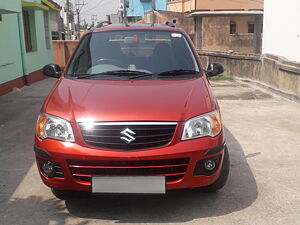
(138, 100)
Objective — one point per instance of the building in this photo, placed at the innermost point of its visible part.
(137, 8)
(224, 25)
(114, 18)
(68, 17)
(56, 21)
(183, 20)
(25, 43)
(282, 33)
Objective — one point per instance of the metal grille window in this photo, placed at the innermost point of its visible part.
(47, 32)
(232, 28)
(27, 31)
(250, 28)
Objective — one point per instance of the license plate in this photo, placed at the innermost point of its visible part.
(138, 185)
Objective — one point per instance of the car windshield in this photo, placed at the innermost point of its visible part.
(133, 54)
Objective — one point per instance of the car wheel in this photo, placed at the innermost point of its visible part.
(221, 181)
(61, 194)
(68, 194)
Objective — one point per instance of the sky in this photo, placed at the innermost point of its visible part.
(101, 8)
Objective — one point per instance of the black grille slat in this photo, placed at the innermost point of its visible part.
(146, 136)
(138, 127)
(168, 178)
(140, 136)
(130, 171)
(116, 132)
(173, 169)
(113, 143)
(116, 139)
(160, 162)
(125, 128)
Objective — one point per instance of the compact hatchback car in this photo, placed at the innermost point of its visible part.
(133, 112)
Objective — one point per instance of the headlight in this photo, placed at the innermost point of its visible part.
(54, 127)
(204, 125)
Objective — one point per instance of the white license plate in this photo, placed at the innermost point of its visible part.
(125, 184)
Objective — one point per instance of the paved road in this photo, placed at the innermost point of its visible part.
(263, 135)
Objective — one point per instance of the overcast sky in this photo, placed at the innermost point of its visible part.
(101, 8)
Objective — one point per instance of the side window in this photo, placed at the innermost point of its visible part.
(47, 31)
(250, 28)
(232, 27)
(29, 31)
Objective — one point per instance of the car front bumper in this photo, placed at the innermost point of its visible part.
(177, 161)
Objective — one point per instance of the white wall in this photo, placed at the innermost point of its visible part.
(281, 34)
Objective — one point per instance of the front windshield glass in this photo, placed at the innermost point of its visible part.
(113, 53)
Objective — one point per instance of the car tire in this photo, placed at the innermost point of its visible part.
(221, 181)
(69, 194)
(61, 194)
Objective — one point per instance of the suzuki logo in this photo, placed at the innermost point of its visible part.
(127, 136)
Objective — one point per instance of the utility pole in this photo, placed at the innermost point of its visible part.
(125, 6)
(153, 11)
(79, 4)
(84, 24)
(78, 23)
(68, 20)
(94, 19)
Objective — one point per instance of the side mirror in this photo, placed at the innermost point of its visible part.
(214, 69)
(52, 70)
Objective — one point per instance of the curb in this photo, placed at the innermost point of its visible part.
(284, 94)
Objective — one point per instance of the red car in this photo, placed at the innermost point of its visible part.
(133, 112)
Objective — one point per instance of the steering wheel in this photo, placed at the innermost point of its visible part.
(110, 61)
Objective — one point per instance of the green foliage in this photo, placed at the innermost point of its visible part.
(135, 19)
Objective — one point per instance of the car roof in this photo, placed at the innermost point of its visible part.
(136, 26)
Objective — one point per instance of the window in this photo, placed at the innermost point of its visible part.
(232, 27)
(250, 28)
(139, 50)
(29, 31)
(47, 32)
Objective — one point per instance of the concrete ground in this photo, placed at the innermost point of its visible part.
(263, 136)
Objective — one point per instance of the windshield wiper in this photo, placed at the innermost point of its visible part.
(168, 73)
(140, 74)
(125, 72)
(88, 75)
(115, 72)
(177, 72)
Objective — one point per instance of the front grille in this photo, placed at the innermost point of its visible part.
(143, 135)
(172, 169)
